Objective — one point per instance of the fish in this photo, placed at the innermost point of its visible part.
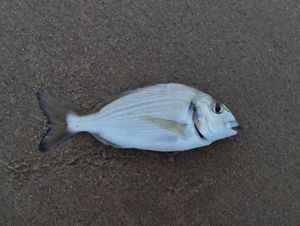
(165, 117)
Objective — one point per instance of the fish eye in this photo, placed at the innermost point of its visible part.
(217, 108)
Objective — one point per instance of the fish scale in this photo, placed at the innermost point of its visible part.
(138, 102)
(146, 108)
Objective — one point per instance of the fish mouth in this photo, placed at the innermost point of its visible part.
(232, 125)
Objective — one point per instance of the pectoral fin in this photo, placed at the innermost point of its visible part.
(170, 125)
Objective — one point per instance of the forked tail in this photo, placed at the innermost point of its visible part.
(56, 114)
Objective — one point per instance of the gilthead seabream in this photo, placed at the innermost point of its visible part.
(163, 117)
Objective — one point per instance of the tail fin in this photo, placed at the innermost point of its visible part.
(57, 122)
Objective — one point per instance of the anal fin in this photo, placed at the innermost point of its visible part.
(104, 141)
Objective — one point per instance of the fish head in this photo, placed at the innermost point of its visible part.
(214, 119)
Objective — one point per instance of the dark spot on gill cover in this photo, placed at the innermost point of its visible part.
(193, 108)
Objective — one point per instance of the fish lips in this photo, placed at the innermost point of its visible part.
(232, 125)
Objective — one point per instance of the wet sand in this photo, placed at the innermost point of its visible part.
(244, 53)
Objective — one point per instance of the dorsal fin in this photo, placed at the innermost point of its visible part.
(108, 100)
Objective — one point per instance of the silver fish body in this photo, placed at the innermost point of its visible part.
(163, 117)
